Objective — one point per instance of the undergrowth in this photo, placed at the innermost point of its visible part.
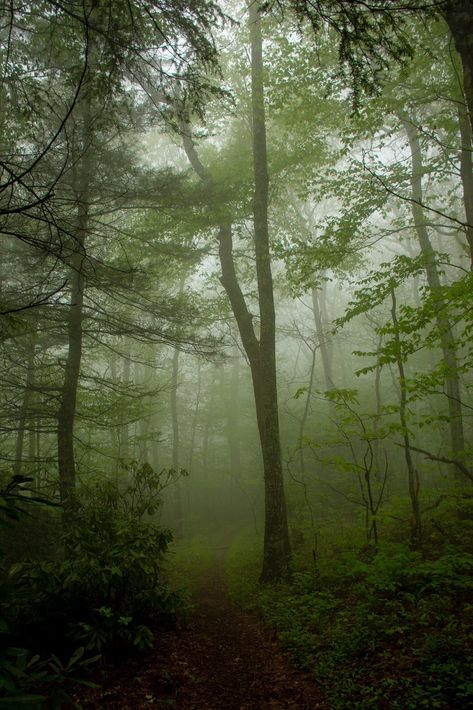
(389, 629)
(99, 597)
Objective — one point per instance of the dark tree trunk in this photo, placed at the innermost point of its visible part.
(125, 428)
(466, 172)
(67, 408)
(25, 420)
(175, 443)
(276, 556)
(261, 352)
(459, 17)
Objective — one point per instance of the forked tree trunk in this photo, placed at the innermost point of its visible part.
(276, 556)
(261, 352)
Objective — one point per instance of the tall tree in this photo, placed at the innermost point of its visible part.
(445, 331)
(276, 550)
(259, 348)
(82, 175)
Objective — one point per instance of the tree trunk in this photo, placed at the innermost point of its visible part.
(261, 353)
(195, 417)
(459, 17)
(413, 476)
(322, 340)
(25, 420)
(305, 412)
(175, 443)
(208, 426)
(125, 427)
(446, 336)
(276, 543)
(233, 414)
(466, 173)
(67, 409)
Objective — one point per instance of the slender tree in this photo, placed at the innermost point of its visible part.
(261, 351)
(447, 338)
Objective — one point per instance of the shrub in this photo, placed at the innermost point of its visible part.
(109, 587)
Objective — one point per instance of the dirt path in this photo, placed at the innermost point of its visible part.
(223, 660)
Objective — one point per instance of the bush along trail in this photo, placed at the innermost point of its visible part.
(224, 658)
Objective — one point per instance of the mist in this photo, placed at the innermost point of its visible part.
(236, 354)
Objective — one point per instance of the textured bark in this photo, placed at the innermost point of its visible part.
(459, 17)
(261, 352)
(67, 410)
(447, 339)
(276, 555)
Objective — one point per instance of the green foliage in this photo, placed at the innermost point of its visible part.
(368, 37)
(15, 494)
(102, 595)
(109, 585)
(21, 672)
(386, 630)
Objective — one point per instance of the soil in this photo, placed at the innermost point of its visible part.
(224, 659)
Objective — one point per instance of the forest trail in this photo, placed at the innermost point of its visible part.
(224, 659)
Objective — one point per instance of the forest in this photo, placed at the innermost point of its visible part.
(236, 327)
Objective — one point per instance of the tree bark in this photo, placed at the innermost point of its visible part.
(233, 414)
(125, 428)
(195, 417)
(276, 555)
(466, 174)
(25, 420)
(261, 352)
(322, 340)
(413, 476)
(459, 17)
(67, 408)
(178, 522)
(447, 339)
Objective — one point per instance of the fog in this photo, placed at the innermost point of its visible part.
(236, 315)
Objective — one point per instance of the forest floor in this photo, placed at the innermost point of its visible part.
(223, 659)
